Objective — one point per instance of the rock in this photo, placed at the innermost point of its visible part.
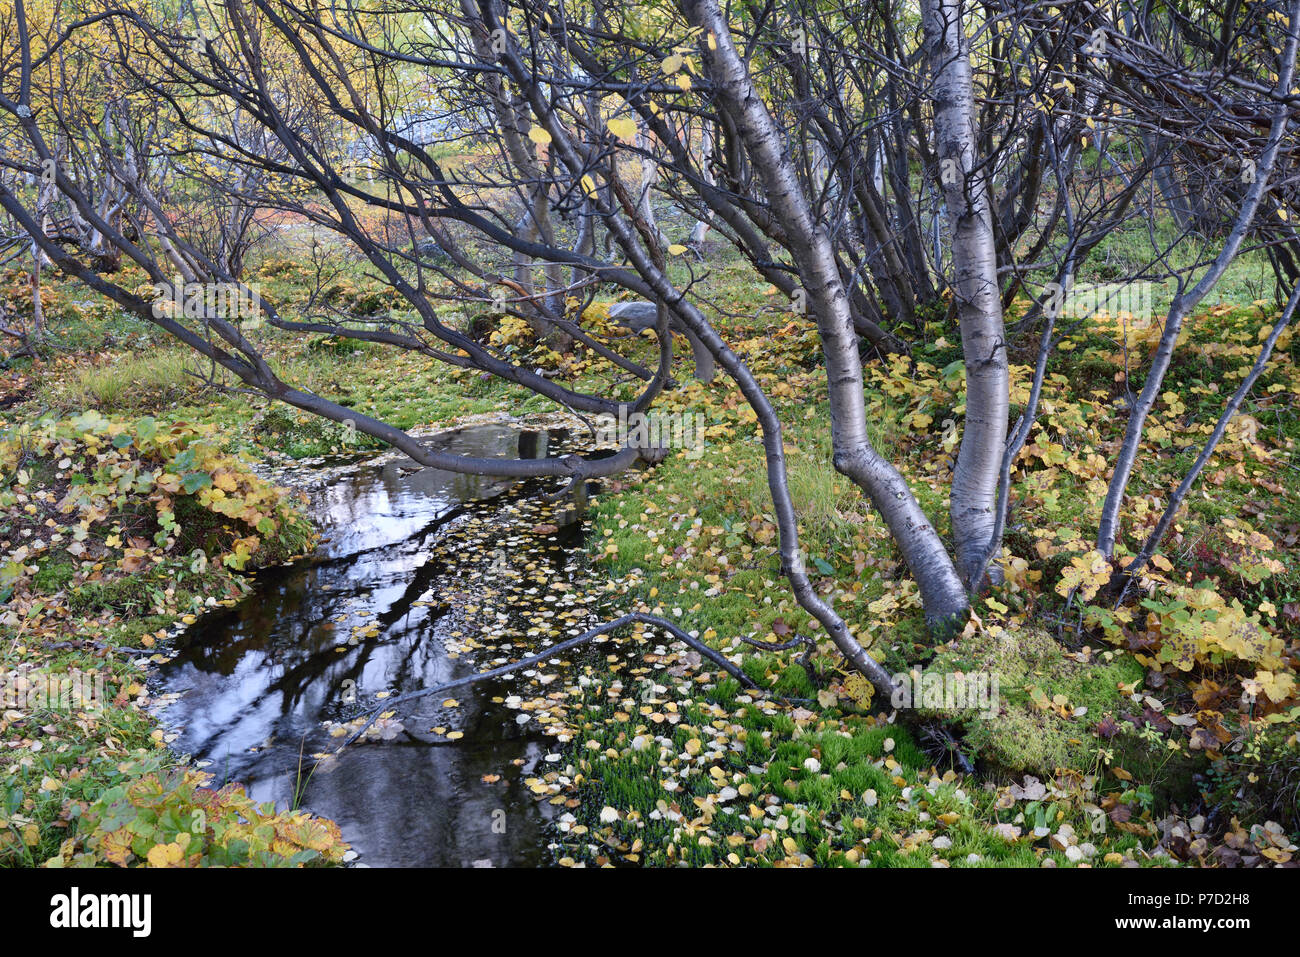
(429, 250)
(640, 315)
(636, 316)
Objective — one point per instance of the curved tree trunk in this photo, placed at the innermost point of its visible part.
(964, 182)
(1188, 299)
(942, 593)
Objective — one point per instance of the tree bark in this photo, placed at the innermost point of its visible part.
(964, 182)
(942, 594)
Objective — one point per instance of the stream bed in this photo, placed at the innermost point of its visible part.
(422, 577)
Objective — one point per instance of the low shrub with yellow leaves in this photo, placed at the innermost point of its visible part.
(170, 819)
(86, 470)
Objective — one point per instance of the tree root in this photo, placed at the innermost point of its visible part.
(804, 660)
(943, 738)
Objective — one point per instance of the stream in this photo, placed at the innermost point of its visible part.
(422, 577)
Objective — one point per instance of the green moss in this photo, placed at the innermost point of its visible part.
(127, 594)
(1048, 702)
(130, 632)
(53, 576)
(793, 682)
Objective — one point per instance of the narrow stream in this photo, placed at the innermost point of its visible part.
(416, 567)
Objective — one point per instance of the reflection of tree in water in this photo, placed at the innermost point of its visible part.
(262, 676)
(288, 629)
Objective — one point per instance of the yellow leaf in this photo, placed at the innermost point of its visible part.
(539, 136)
(624, 128)
(1087, 573)
(1277, 686)
(166, 855)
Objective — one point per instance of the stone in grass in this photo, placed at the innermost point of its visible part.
(641, 315)
(636, 316)
(428, 250)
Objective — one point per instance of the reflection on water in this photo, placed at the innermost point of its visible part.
(375, 611)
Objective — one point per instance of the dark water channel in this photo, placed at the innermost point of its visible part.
(386, 605)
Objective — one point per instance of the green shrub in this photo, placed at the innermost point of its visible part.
(168, 819)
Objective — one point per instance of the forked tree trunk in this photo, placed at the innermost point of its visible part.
(942, 593)
(1187, 300)
(513, 124)
(964, 183)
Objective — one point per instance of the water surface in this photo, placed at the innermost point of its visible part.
(412, 564)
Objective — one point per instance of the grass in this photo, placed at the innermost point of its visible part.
(153, 380)
(1127, 251)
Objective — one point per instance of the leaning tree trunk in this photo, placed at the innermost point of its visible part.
(1188, 299)
(701, 228)
(942, 594)
(964, 183)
